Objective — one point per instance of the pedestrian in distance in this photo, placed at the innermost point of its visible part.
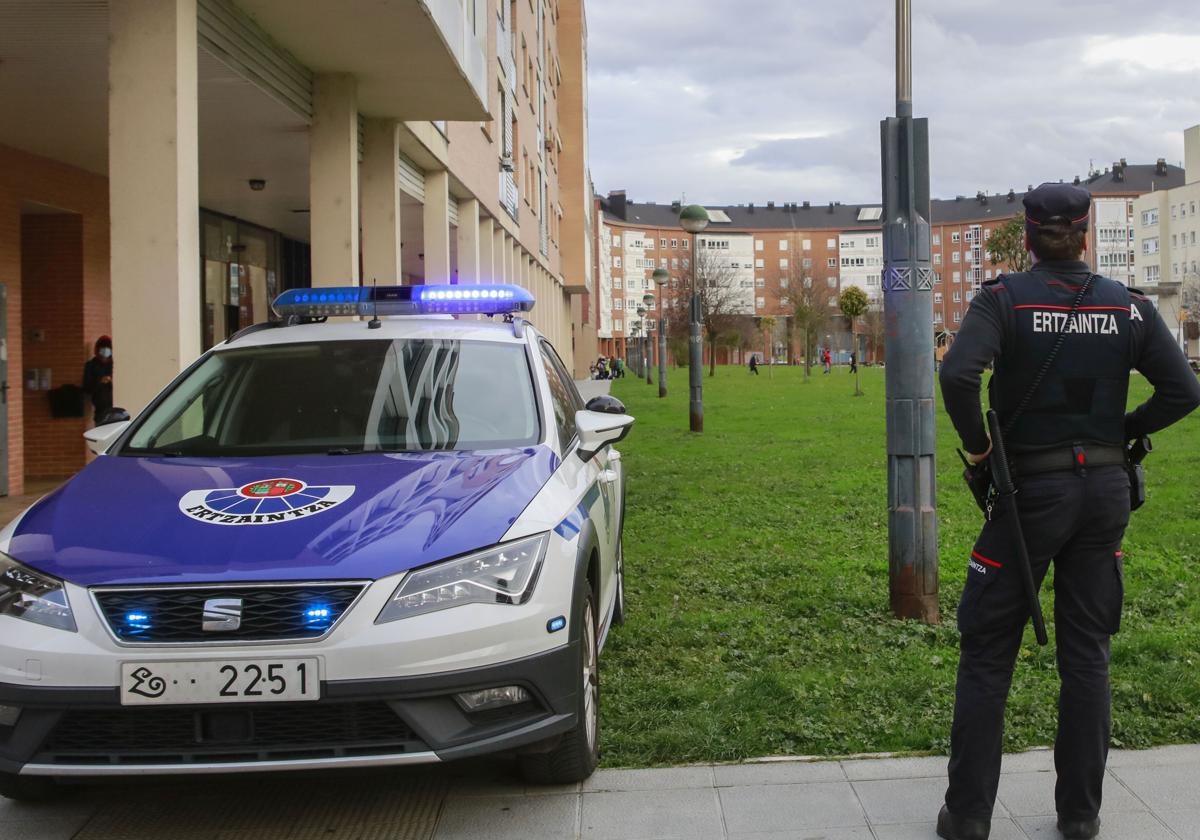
(98, 377)
(620, 368)
(754, 364)
(827, 360)
(1063, 341)
(853, 363)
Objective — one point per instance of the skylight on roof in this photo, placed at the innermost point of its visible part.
(870, 214)
(719, 216)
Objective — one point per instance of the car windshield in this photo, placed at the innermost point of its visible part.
(345, 397)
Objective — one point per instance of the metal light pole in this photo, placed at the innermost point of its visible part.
(694, 219)
(648, 300)
(908, 308)
(661, 277)
(641, 346)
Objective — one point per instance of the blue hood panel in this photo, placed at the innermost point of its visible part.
(311, 517)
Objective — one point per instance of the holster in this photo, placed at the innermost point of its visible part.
(1137, 486)
(979, 480)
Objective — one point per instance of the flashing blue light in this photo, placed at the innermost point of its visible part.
(318, 615)
(367, 301)
(137, 622)
(556, 624)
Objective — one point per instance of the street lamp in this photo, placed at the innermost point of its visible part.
(694, 219)
(661, 277)
(648, 300)
(641, 311)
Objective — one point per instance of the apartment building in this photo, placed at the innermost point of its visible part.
(1166, 242)
(841, 245)
(167, 167)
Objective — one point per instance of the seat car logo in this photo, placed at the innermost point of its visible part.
(221, 615)
(267, 502)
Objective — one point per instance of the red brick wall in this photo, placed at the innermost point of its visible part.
(52, 334)
(27, 178)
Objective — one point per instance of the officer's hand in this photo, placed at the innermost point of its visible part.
(979, 459)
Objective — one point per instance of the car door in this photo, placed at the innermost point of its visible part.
(597, 481)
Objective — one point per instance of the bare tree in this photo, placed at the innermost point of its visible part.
(721, 301)
(854, 302)
(812, 302)
(875, 329)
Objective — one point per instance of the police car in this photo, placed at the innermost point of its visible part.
(325, 545)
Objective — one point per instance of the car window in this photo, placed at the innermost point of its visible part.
(347, 396)
(563, 395)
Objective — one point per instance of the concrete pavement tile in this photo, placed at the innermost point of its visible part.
(778, 773)
(1141, 826)
(1184, 823)
(1157, 757)
(790, 807)
(895, 768)
(688, 814)
(905, 800)
(862, 833)
(42, 828)
(1032, 795)
(509, 818)
(1001, 830)
(1162, 788)
(666, 778)
(1033, 761)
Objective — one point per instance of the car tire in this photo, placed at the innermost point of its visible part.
(618, 616)
(28, 788)
(577, 752)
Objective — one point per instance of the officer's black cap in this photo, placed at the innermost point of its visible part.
(1063, 205)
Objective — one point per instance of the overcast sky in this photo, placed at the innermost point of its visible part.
(736, 101)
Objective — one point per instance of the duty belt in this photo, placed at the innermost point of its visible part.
(1077, 458)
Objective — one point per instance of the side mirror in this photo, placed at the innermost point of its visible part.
(605, 404)
(100, 438)
(113, 415)
(597, 430)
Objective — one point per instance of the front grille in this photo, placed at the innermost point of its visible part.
(183, 735)
(266, 614)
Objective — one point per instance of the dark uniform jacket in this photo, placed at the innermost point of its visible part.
(1015, 321)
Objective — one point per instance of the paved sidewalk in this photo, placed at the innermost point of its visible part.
(1149, 795)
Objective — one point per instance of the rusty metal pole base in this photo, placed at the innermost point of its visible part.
(922, 608)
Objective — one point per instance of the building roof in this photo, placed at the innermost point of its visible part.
(1122, 179)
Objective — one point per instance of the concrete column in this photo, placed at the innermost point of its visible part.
(154, 202)
(468, 241)
(499, 248)
(487, 244)
(437, 227)
(333, 181)
(381, 202)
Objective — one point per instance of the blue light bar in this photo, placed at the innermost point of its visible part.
(367, 301)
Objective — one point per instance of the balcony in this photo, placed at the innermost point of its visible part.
(414, 59)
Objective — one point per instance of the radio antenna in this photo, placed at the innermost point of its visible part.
(374, 323)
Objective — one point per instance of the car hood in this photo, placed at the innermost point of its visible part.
(125, 520)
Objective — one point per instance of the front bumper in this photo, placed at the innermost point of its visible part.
(356, 723)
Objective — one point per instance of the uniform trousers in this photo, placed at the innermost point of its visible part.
(1076, 521)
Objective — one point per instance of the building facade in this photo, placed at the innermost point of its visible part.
(168, 166)
(835, 246)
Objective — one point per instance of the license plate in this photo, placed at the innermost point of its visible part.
(223, 681)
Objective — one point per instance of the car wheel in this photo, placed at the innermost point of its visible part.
(577, 753)
(618, 616)
(28, 788)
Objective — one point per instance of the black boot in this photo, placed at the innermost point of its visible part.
(1079, 829)
(950, 827)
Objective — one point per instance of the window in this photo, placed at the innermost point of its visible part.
(937, 259)
(957, 317)
(987, 234)
(783, 263)
(807, 244)
(616, 282)
(783, 244)
(937, 239)
(955, 257)
(662, 244)
(759, 282)
(937, 278)
(616, 262)
(662, 263)
(675, 243)
(832, 282)
(759, 263)
(686, 262)
(937, 297)
(1149, 218)
(872, 241)
(370, 395)
(957, 277)
(957, 296)
(618, 324)
(758, 244)
(830, 243)
(1150, 246)
(783, 283)
(618, 303)
(954, 237)
(687, 243)
(831, 262)
(807, 262)
(675, 262)
(1151, 274)
(760, 303)
(616, 241)
(785, 301)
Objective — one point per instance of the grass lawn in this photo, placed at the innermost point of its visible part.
(758, 594)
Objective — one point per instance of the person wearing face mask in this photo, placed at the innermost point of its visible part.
(97, 377)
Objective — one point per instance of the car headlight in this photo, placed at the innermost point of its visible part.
(33, 596)
(504, 574)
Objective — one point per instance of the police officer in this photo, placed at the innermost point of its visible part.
(1067, 448)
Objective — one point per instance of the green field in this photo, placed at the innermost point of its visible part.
(758, 590)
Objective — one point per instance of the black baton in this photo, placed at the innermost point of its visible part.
(1007, 497)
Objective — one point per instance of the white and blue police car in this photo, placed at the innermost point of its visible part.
(325, 545)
